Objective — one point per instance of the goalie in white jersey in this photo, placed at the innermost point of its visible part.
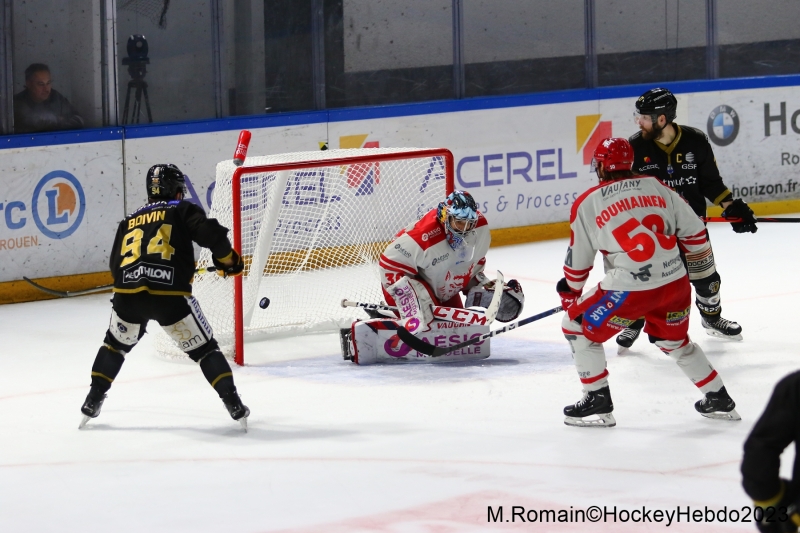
(424, 271)
(639, 225)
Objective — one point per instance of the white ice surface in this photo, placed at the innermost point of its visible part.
(339, 448)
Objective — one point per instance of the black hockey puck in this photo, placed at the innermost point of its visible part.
(264, 303)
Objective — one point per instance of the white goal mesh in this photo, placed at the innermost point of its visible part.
(311, 235)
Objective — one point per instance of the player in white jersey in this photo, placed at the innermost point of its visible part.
(639, 225)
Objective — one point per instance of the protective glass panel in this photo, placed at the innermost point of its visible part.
(165, 60)
(57, 44)
(388, 51)
(649, 41)
(758, 41)
(520, 46)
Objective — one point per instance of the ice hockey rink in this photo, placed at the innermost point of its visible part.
(335, 447)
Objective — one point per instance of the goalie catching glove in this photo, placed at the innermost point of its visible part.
(510, 305)
(224, 270)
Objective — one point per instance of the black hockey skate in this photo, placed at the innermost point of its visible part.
(717, 405)
(722, 328)
(91, 406)
(344, 342)
(236, 408)
(626, 339)
(597, 403)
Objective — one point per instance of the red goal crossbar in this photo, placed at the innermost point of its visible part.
(445, 154)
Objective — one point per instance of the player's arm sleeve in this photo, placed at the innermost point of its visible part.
(206, 232)
(581, 251)
(773, 432)
(709, 180)
(397, 260)
(115, 258)
(691, 232)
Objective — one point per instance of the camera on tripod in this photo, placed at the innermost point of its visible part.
(137, 62)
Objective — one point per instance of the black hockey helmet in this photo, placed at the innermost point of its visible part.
(656, 102)
(164, 182)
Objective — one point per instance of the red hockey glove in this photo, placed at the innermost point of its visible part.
(567, 294)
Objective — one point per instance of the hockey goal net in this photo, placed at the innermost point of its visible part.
(310, 227)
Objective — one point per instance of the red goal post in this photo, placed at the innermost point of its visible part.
(310, 227)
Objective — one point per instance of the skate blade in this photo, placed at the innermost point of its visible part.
(621, 350)
(243, 423)
(84, 420)
(601, 421)
(732, 415)
(720, 335)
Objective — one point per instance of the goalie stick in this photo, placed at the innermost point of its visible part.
(758, 219)
(435, 351)
(447, 313)
(101, 288)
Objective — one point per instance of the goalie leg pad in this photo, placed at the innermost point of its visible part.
(106, 366)
(376, 341)
(218, 372)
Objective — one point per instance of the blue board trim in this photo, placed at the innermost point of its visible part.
(374, 112)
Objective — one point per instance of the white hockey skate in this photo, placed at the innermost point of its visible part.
(593, 410)
(723, 329)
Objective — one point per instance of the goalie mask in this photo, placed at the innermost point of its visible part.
(510, 305)
(164, 182)
(459, 215)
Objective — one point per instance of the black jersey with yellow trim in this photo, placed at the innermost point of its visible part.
(775, 430)
(153, 249)
(686, 165)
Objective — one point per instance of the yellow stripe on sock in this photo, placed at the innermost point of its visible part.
(99, 375)
(225, 375)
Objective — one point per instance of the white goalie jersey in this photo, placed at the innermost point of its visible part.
(421, 251)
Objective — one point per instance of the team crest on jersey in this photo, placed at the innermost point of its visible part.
(675, 318)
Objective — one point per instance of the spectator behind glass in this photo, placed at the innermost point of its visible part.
(40, 107)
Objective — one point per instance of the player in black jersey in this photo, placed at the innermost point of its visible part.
(682, 158)
(778, 427)
(152, 262)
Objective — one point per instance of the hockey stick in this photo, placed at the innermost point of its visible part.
(450, 314)
(435, 351)
(101, 288)
(758, 219)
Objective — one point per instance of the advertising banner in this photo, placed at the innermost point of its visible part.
(59, 209)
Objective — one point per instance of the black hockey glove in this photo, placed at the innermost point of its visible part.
(739, 209)
(235, 269)
(782, 518)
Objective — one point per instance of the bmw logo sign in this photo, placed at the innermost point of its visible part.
(723, 125)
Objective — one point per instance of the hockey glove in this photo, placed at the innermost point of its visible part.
(511, 304)
(739, 209)
(781, 517)
(224, 270)
(567, 294)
